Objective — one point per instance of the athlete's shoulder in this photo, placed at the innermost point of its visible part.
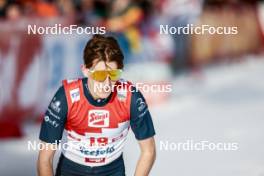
(124, 81)
(73, 81)
(72, 88)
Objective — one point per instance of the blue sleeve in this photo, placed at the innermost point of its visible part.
(54, 119)
(140, 118)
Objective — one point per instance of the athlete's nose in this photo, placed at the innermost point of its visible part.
(107, 82)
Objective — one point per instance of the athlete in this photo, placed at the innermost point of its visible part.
(90, 117)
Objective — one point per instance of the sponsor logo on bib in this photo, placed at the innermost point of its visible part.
(94, 160)
(75, 95)
(98, 118)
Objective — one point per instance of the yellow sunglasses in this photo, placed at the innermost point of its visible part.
(101, 75)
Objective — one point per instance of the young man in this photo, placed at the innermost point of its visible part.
(95, 113)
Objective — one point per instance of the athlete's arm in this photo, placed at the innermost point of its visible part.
(147, 157)
(45, 160)
(142, 126)
(51, 132)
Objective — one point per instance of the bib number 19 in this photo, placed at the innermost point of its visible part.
(101, 141)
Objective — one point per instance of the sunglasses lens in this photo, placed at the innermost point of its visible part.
(99, 75)
(115, 74)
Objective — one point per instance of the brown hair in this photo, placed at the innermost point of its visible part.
(102, 48)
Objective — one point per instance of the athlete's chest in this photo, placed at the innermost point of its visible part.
(86, 118)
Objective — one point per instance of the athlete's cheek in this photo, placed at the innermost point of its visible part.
(108, 85)
(108, 88)
(113, 82)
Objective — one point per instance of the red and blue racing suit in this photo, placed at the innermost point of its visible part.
(94, 131)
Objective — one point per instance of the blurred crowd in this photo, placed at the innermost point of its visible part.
(97, 11)
(136, 24)
(83, 11)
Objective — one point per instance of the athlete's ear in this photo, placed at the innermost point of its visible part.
(85, 70)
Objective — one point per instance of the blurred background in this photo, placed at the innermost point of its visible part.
(217, 80)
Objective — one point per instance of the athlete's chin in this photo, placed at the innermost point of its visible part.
(104, 95)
